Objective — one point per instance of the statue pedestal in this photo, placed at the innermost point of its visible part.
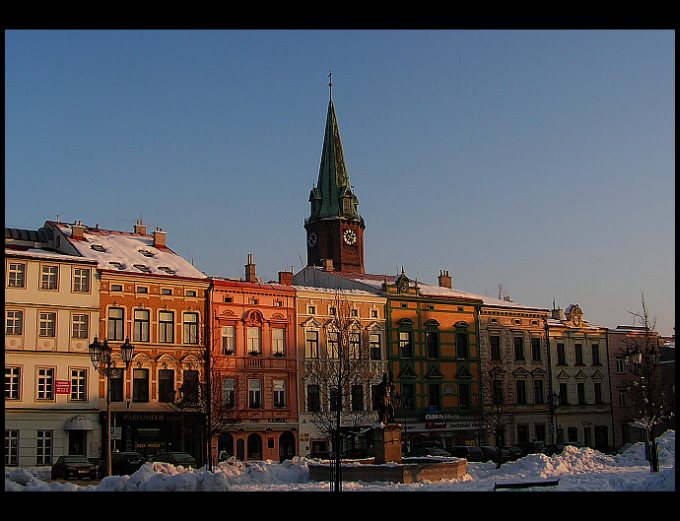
(387, 443)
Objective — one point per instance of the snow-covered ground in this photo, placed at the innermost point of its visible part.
(577, 469)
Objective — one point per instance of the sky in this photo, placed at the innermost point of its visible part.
(576, 469)
(535, 163)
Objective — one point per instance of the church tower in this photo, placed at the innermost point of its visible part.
(335, 230)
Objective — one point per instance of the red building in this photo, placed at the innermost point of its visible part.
(255, 410)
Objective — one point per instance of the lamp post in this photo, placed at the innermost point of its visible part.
(554, 404)
(101, 356)
(180, 404)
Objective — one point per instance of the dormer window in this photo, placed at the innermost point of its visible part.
(146, 253)
(143, 268)
(98, 247)
(167, 270)
(118, 265)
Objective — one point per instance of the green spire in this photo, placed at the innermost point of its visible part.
(333, 196)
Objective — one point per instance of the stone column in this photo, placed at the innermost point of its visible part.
(387, 444)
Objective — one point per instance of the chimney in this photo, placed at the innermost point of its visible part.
(159, 237)
(328, 264)
(558, 314)
(507, 298)
(140, 227)
(250, 269)
(78, 230)
(286, 278)
(445, 279)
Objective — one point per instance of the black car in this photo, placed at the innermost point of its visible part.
(73, 466)
(491, 454)
(515, 452)
(126, 462)
(176, 458)
(321, 454)
(469, 452)
(552, 449)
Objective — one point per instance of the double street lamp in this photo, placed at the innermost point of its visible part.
(101, 356)
(554, 404)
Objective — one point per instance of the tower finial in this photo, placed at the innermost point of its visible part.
(330, 83)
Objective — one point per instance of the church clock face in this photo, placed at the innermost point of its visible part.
(311, 239)
(350, 237)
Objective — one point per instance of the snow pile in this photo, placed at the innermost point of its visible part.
(635, 454)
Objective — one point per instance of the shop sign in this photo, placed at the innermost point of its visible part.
(62, 386)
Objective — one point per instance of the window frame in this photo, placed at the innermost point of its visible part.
(254, 393)
(47, 324)
(44, 447)
(45, 383)
(140, 386)
(228, 340)
(115, 326)
(535, 349)
(229, 393)
(14, 325)
(16, 274)
(495, 347)
(140, 333)
(190, 327)
(78, 377)
(13, 382)
(166, 327)
(518, 348)
(49, 280)
(312, 344)
(80, 325)
(278, 341)
(254, 340)
(80, 280)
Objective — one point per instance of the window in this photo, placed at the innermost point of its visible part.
(620, 365)
(166, 385)
(497, 397)
(119, 266)
(78, 385)
(141, 325)
(522, 433)
(311, 310)
(81, 280)
(166, 327)
(142, 267)
(254, 340)
(116, 287)
(43, 449)
(374, 346)
(539, 428)
(336, 399)
(142, 289)
(495, 342)
(596, 354)
(521, 387)
(14, 322)
(408, 396)
(464, 396)
(278, 341)
(536, 349)
(313, 398)
(572, 434)
(564, 394)
(374, 313)
(116, 387)
(462, 348)
(254, 394)
(12, 383)
(578, 350)
(581, 389)
(190, 386)
(229, 393)
(140, 385)
(432, 341)
(333, 345)
(519, 347)
(434, 395)
(191, 293)
(623, 398)
(311, 344)
(11, 447)
(254, 301)
(191, 328)
(80, 326)
(45, 383)
(332, 310)
(228, 340)
(166, 291)
(597, 391)
(355, 313)
(561, 355)
(48, 277)
(115, 324)
(357, 398)
(355, 345)
(538, 391)
(279, 393)
(48, 324)
(406, 344)
(16, 275)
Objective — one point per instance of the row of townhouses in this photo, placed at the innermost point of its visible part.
(264, 352)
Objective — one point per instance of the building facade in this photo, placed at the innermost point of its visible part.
(253, 352)
(581, 379)
(51, 388)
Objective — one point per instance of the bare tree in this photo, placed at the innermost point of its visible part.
(341, 373)
(642, 356)
(495, 413)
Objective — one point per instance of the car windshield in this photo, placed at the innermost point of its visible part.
(75, 459)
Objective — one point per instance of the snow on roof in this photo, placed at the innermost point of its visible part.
(342, 291)
(38, 253)
(129, 253)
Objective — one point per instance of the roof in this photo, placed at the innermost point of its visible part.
(128, 252)
(43, 235)
(37, 253)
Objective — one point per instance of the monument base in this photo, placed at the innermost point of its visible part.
(387, 443)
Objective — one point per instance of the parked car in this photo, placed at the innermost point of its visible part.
(126, 462)
(469, 452)
(429, 451)
(73, 466)
(552, 449)
(491, 454)
(321, 454)
(176, 458)
(531, 447)
(515, 452)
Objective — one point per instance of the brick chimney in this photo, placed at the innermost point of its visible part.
(286, 278)
(558, 314)
(328, 264)
(78, 230)
(140, 227)
(445, 280)
(250, 269)
(159, 238)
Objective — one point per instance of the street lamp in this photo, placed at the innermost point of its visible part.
(100, 354)
(554, 404)
(180, 404)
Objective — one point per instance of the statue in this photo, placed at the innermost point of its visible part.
(383, 396)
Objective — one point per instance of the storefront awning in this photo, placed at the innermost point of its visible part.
(78, 423)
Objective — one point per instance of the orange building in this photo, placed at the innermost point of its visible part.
(254, 359)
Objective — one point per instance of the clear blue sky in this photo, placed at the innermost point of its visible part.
(542, 161)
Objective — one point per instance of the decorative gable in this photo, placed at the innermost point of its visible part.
(464, 372)
(434, 372)
(408, 372)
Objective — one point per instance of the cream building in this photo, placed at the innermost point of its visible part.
(51, 399)
(316, 308)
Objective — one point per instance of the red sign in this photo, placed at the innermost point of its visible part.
(62, 386)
